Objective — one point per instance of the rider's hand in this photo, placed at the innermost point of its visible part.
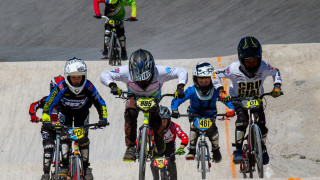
(180, 151)
(179, 94)
(276, 91)
(102, 123)
(175, 114)
(114, 89)
(224, 97)
(98, 16)
(34, 118)
(133, 19)
(230, 113)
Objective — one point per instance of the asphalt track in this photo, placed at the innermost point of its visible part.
(36, 30)
(36, 36)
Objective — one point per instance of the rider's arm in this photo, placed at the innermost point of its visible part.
(132, 3)
(119, 74)
(96, 6)
(169, 73)
(36, 105)
(217, 75)
(182, 135)
(175, 103)
(272, 71)
(53, 98)
(97, 100)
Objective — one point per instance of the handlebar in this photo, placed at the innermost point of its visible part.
(107, 18)
(131, 94)
(217, 115)
(259, 97)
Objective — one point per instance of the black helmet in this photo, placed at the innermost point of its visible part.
(203, 69)
(141, 67)
(165, 114)
(249, 47)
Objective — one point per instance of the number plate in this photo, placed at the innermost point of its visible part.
(145, 103)
(203, 124)
(114, 22)
(76, 133)
(160, 162)
(254, 102)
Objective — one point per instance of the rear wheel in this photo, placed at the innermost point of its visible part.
(142, 154)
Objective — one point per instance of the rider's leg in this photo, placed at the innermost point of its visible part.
(172, 168)
(193, 139)
(155, 123)
(122, 41)
(107, 33)
(155, 171)
(130, 128)
(241, 126)
(213, 136)
(48, 146)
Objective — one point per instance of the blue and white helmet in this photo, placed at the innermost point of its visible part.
(203, 69)
(75, 67)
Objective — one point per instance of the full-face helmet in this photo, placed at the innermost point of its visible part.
(75, 67)
(141, 68)
(165, 114)
(249, 48)
(112, 4)
(54, 81)
(203, 70)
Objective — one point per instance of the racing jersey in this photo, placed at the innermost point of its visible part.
(119, 12)
(205, 108)
(162, 74)
(242, 85)
(68, 101)
(39, 104)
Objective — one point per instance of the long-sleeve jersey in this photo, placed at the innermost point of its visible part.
(68, 101)
(162, 74)
(39, 105)
(205, 108)
(242, 85)
(119, 12)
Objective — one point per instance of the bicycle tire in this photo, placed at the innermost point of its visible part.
(110, 51)
(142, 154)
(203, 162)
(258, 150)
(57, 155)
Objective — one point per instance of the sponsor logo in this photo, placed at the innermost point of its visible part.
(249, 89)
(168, 69)
(61, 86)
(116, 70)
(74, 104)
(48, 104)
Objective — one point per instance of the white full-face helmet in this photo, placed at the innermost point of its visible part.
(75, 67)
(203, 69)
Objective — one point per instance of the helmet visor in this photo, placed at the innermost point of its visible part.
(249, 53)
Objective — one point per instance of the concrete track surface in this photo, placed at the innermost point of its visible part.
(293, 119)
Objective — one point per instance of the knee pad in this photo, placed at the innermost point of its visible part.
(214, 140)
(48, 145)
(84, 142)
(193, 139)
(65, 149)
(122, 38)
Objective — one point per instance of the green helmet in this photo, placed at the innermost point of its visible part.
(112, 4)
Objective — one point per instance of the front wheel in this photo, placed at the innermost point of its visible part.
(258, 150)
(142, 154)
(203, 162)
(76, 172)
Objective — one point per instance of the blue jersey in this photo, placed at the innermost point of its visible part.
(205, 108)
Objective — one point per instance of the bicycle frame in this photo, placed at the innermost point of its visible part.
(113, 46)
(76, 163)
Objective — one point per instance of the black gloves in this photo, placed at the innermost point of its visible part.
(175, 114)
(114, 89)
(179, 94)
(98, 16)
(102, 123)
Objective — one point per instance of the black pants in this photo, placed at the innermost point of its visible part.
(171, 167)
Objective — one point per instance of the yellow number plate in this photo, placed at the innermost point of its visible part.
(255, 102)
(79, 133)
(113, 22)
(145, 103)
(160, 162)
(205, 123)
